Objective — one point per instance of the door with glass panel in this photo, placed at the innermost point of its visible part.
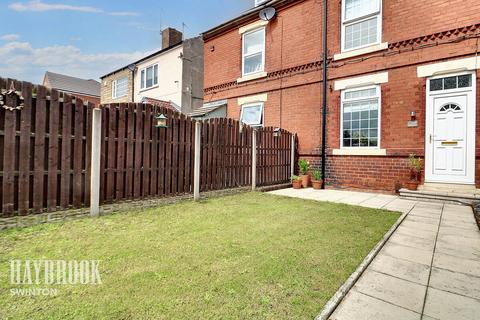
(450, 130)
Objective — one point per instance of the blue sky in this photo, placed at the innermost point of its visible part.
(87, 38)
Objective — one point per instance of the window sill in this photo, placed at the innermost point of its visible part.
(150, 88)
(361, 51)
(252, 77)
(359, 152)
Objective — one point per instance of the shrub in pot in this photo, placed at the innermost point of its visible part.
(317, 180)
(415, 165)
(296, 182)
(304, 166)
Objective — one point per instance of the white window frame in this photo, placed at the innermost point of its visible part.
(263, 51)
(346, 23)
(114, 88)
(143, 77)
(343, 101)
(254, 104)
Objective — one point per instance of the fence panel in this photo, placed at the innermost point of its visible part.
(273, 156)
(44, 149)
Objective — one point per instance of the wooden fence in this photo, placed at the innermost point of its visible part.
(44, 149)
(138, 160)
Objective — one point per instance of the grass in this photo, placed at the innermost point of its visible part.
(248, 256)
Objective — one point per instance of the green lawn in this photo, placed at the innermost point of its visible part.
(247, 256)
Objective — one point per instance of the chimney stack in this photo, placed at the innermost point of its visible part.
(171, 37)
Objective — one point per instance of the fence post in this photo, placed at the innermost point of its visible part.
(95, 162)
(292, 156)
(196, 168)
(254, 159)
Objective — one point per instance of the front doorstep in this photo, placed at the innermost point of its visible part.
(457, 193)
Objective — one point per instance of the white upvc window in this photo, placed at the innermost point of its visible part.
(252, 114)
(119, 87)
(253, 51)
(361, 23)
(360, 117)
(149, 77)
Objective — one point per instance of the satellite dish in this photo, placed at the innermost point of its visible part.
(267, 14)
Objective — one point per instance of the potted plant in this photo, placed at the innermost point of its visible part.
(304, 166)
(296, 182)
(317, 180)
(415, 165)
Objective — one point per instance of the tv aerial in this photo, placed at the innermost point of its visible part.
(267, 14)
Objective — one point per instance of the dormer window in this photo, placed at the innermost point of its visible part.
(361, 23)
(253, 52)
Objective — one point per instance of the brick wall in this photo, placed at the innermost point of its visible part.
(106, 90)
(418, 33)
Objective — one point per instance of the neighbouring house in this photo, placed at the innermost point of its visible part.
(401, 79)
(87, 90)
(173, 75)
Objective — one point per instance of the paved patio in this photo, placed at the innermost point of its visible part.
(429, 268)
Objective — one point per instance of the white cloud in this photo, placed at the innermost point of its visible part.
(22, 61)
(10, 37)
(39, 6)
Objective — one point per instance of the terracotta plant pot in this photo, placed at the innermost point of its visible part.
(317, 184)
(297, 184)
(412, 185)
(305, 180)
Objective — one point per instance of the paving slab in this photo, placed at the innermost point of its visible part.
(363, 307)
(414, 232)
(399, 292)
(413, 241)
(403, 269)
(444, 305)
(448, 262)
(407, 253)
(455, 282)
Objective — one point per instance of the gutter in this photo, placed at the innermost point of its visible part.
(324, 95)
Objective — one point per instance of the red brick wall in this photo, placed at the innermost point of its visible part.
(294, 96)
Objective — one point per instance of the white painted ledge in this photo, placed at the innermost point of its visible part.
(252, 26)
(371, 79)
(359, 52)
(250, 99)
(451, 66)
(359, 152)
(252, 77)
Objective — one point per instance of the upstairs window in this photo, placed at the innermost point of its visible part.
(253, 57)
(149, 77)
(252, 114)
(361, 23)
(119, 88)
(259, 2)
(361, 117)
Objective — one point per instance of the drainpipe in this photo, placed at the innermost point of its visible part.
(324, 93)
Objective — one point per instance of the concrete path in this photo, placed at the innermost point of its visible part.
(429, 268)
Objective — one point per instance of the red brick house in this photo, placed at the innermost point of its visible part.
(401, 80)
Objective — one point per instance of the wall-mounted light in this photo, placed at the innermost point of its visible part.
(212, 48)
(161, 121)
(276, 132)
(413, 115)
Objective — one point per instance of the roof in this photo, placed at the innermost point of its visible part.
(72, 85)
(143, 59)
(161, 103)
(244, 17)
(208, 108)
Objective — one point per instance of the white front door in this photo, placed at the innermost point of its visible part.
(450, 129)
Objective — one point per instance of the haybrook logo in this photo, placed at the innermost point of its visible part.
(46, 273)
